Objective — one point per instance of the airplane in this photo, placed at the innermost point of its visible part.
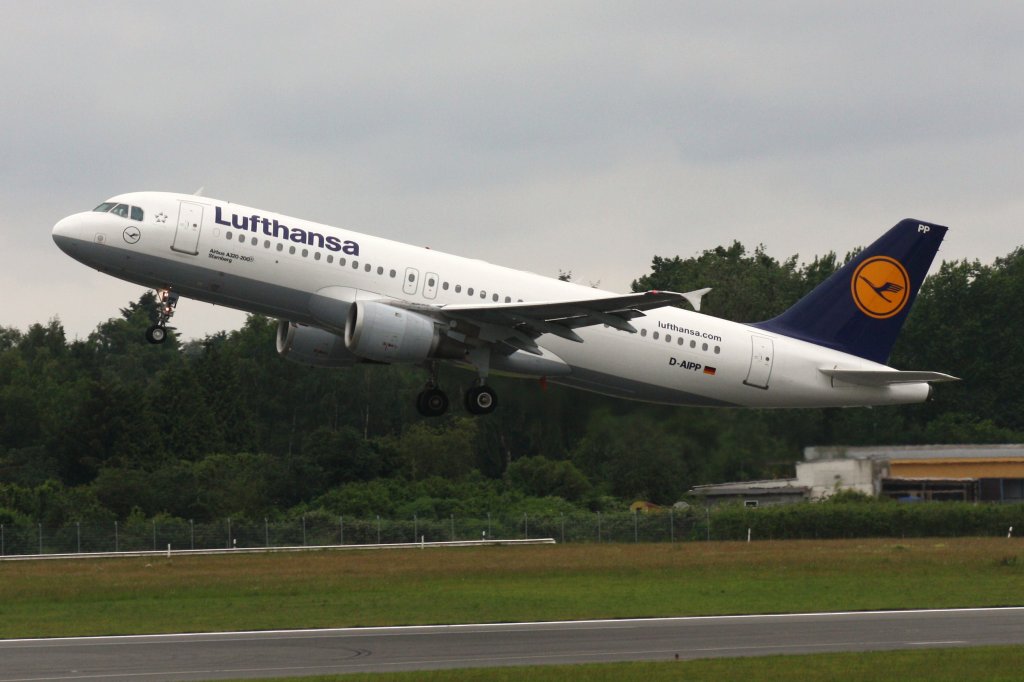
(343, 297)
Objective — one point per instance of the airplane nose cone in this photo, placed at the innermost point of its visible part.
(66, 231)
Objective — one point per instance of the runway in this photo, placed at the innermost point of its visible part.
(209, 656)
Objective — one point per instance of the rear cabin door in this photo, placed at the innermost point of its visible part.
(190, 222)
(761, 355)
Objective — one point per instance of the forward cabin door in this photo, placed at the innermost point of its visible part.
(761, 355)
(190, 222)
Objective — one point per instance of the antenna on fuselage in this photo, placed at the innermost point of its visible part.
(198, 192)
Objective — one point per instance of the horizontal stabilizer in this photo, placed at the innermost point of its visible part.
(884, 377)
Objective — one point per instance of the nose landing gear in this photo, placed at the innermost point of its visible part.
(168, 302)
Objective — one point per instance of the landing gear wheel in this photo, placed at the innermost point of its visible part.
(156, 334)
(481, 400)
(432, 402)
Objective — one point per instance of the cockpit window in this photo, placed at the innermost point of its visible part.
(104, 207)
(136, 213)
(121, 210)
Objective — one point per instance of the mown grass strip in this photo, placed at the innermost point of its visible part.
(501, 584)
(993, 664)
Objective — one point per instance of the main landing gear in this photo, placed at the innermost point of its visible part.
(168, 301)
(433, 402)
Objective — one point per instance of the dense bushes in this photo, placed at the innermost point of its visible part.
(859, 520)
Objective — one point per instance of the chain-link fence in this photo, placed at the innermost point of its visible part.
(157, 535)
(806, 521)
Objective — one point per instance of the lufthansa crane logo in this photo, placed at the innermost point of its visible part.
(132, 234)
(880, 287)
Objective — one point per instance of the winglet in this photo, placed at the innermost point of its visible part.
(694, 297)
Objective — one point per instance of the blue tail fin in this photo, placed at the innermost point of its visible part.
(860, 309)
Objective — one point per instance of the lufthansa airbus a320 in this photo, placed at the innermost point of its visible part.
(343, 297)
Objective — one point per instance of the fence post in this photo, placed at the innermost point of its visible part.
(154, 535)
(40, 538)
(192, 534)
(415, 527)
(378, 529)
(598, 527)
(266, 532)
(453, 527)
(303, 530)
(1, 539)
(117, 544)
(489, 525)
(672, 525)
(563, 528)
(78, 535)
(229, 533)
(707, 511)
(341, 522)
(526, 526)
(636, 531)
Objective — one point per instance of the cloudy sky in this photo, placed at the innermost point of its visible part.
(584, 136)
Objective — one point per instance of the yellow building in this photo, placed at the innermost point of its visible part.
(986, 473)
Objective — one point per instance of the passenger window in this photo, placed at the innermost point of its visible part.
(469, 291)
(393, 274)
(341, 261)
(368, 267)
(643, 332)
(508, 299)
(280, 247)
(681, 340)
(255, 241)
(494, 298)
(668, 338)
(704, 347)
(355, 265)
(445, 286)
(693, 344)
(228, 236)
(266, 243)
(458, 288)
(718, 349)
(305, 252)
(136, 213)
(316, 255)
(330, 258)
(291, 250)
(655, 336)
(483, 294)
(380, 270)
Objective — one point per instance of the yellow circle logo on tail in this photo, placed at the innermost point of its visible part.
(881, 287)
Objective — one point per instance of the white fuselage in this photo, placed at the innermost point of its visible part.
(209, 250)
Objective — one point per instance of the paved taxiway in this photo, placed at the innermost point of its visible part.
(306, 652)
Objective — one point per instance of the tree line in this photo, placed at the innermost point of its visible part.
(108, 427)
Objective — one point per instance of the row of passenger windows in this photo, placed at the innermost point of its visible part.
(342, 261)
(681, 341)
(123, 210)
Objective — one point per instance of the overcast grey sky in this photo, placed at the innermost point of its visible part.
(586, 136)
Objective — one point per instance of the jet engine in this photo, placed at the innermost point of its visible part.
(312, 346)
(386, 333)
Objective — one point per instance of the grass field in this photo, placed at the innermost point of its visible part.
(494, 584)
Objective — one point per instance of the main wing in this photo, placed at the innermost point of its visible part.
(519, 324)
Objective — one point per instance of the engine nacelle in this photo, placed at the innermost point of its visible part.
(386, 333)
(312, 346)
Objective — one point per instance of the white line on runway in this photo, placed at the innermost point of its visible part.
(430, 629)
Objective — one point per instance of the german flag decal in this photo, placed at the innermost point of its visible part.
(710, 371)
